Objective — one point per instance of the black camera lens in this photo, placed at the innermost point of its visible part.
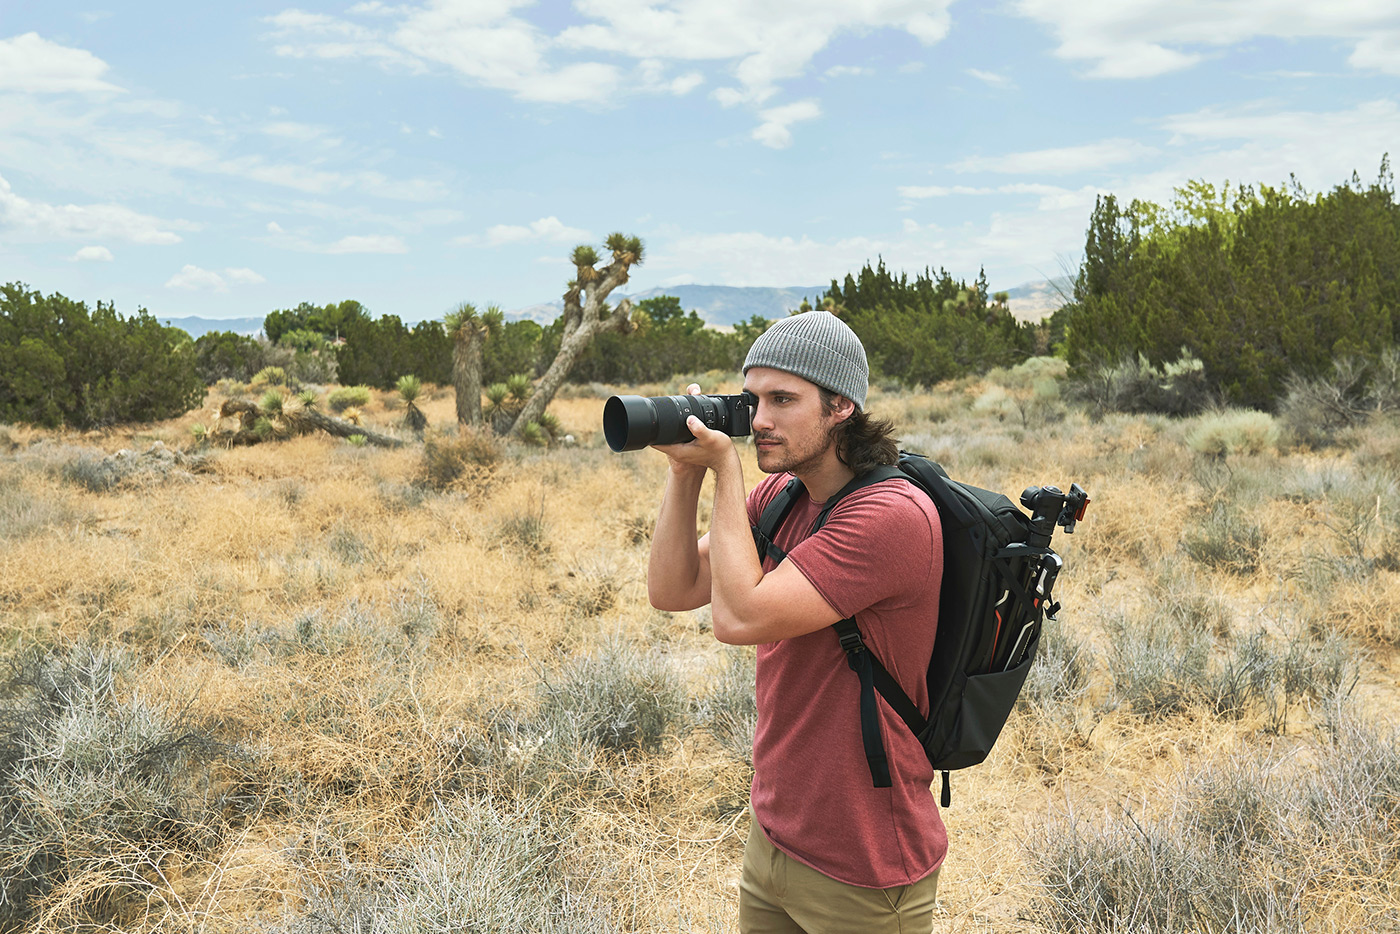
(631, 423)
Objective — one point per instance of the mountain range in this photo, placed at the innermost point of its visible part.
(719, 305)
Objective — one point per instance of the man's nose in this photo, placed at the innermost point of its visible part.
(762, 416)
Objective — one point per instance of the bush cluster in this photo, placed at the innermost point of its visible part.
(97, 793)
(1248, 846)
(62, 363)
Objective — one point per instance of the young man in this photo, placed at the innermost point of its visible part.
(827, 852)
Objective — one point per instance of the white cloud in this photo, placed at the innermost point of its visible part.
(911, 225)
(761, 45)
(274, 227)
(37, 220)
(992, 78)
(191, 278)
(750, 258)
(35, 65)
(768, 42)
(844, 71)
(774, 131)
(299, 132)
(1067, 160)
(92, 254)
(1153, 37)
(546, 229)
(377, 243)
(243, 276)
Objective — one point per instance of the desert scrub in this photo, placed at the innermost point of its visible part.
(22, 513)
(1059, 679)
(459, 461)
(1226, 541)
(480, 865)
(1291, 840)
(1232, 432)
(96, 793)
(343, 397)
(619, 698)
(729, 710)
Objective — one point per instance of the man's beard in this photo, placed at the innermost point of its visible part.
(790, 458)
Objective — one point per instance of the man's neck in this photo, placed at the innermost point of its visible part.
(824, 478)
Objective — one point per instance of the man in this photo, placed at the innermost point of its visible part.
(827, 852)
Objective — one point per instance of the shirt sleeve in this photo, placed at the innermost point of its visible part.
(877, 545)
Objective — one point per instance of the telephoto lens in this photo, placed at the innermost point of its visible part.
(631, 423)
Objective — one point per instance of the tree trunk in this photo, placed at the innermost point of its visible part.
(583, 321)
(466, 374)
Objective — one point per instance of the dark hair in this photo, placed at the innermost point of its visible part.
(862, 441)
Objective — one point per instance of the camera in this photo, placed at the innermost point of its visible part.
(631, 423)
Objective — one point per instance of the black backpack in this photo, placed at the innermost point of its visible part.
(998, 571)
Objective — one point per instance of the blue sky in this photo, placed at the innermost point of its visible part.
(227, 159)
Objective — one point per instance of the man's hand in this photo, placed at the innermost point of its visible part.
(710, 449)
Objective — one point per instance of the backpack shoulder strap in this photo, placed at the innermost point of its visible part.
(873, 675)
(772, 519)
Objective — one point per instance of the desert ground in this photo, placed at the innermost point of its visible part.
(311, 685)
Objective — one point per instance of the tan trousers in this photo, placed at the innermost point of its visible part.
(779, 895)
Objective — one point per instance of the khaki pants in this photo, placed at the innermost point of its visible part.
(779, 895)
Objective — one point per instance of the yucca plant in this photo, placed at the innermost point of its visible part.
(506, 400)
(308, 399)
(272, 402)
(550, 423)
(410, 388)
(533, 435)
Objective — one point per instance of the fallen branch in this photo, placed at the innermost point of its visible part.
(291, 421)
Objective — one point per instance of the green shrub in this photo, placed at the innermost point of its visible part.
(269, 376)
(344, 397)
(1135, 385)
(1234, 431)
(62, 363)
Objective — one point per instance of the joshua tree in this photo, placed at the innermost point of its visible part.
(586, 315)
(469, 329)
(410, 387)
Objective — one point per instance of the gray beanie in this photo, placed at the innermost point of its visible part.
(820, 348)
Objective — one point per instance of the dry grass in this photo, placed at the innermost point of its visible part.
(402, 701)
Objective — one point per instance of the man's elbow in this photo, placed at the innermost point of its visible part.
(670, 601)
(730, 630)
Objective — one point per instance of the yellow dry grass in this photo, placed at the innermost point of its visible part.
(230, 589)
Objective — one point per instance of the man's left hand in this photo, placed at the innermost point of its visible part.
(712, 449)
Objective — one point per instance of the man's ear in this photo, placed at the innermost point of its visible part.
(845, 408)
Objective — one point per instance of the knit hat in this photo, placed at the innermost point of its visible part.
(820, 348)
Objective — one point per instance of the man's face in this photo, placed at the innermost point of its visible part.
(791, 428)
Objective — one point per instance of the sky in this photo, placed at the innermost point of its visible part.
(225, 160)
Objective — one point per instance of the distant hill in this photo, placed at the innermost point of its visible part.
(197, 327)
(721, 305)
(1035, 301)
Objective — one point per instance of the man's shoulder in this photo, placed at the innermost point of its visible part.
(893, 503)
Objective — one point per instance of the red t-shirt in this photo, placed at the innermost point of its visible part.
(880, 557)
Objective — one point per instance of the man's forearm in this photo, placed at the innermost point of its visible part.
(734, 567)
(674, 568)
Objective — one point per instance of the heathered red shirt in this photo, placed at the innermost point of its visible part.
(880, 557)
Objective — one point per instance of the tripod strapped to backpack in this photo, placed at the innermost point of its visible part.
(998, 575)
